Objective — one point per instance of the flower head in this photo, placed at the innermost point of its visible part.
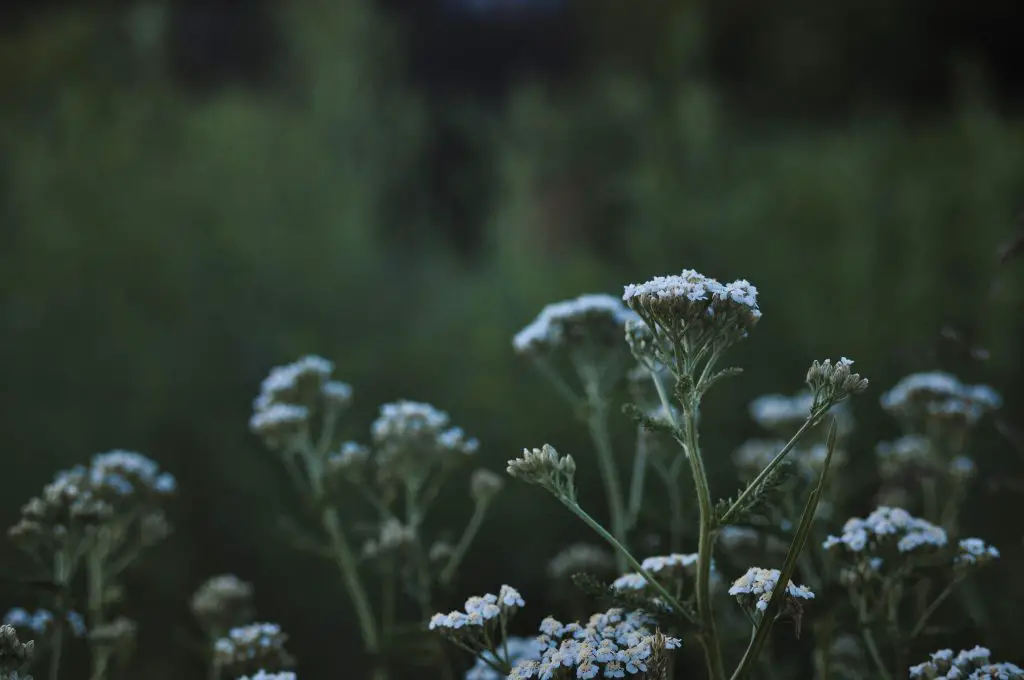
(969, 664)
(974, 552)
(481, 619)
(941, 397)
(253, 647)
(222, 602)
(831, 383)
(593, 320)
(545, 467)
(411, 438)
(754, 589)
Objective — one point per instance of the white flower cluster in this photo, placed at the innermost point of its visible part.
(222, 602)
(260, 645)
(975, 552)
(885, 526)
(970, 664)
(40, 621)
(693, 303)
(675, 568)
(412, 435)
(594, 319)
(263, 675)
(614, 643)
(290, 395)
(518, 649)
(544, 466)
(580, 558)
(393, 536)
(755, 588)
(939, 395)
(117, 485)
(479, 611)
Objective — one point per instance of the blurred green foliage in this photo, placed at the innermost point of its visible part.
(161, 251)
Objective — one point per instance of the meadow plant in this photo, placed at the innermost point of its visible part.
(413, 451)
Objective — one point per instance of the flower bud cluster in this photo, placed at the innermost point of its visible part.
(14, 654)
(41, 622)
(611, 644)
(938, 396)
(969, 664)
(545, 467)
(222, 602)
(832, 383)
(754, 590)
(909, 455)
(484, 485)
(595, 321)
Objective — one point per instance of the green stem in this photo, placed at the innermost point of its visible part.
(876, 656)
(475, 522)
(597, 422)
(636, 486)
(811, 421)
(705, 548)
(96, 586)
(621, 549)
(932, 608)
(60, 572)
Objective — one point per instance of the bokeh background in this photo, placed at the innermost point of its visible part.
(192, 192)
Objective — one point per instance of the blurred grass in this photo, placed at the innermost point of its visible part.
(162, 251)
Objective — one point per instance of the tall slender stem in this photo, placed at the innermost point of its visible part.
(705, 547)
(475, 521)
(61, 578)
(597, 423)
(94, 564)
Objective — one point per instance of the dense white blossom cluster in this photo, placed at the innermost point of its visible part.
(756, 586)
(939, 395)
(595, 319)
(478, 611)
(886, 526)
(969, 664)
(614, 644)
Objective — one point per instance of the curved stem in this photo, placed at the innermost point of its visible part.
(932, 608)
(475, 521)
(621, 549)
(597, 422)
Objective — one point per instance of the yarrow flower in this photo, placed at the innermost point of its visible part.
(482, 618)
(253, 647)
(887, 527)
(907, 455)
(222, 602)
(613, 643)
(263, 675)
(41, 621)
(693, 307)
(594, 320)
(939, 396)
(970, 664)
(291, 395)
(484, 485)
(975, 552)
(754, 589)
(412, 437)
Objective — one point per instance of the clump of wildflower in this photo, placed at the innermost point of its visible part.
(291, 395)
(885, 528)
(484, 485)
(969, 664)
(612, 644)
(546, 468)
(222, 602)
(754, 590)
(514, 650)
(939, 396)
(676, 572)
(411, 438)
(693, 310)
(594, 320)
(14, 654)
(482, 620)
(580, 558)
(41, 621)
(252, 647)
(974, 552)
(832, 383)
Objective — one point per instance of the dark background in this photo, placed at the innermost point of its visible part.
(193, 192)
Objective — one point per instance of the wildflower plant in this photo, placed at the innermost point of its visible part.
(97, 520)
(413, 451)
